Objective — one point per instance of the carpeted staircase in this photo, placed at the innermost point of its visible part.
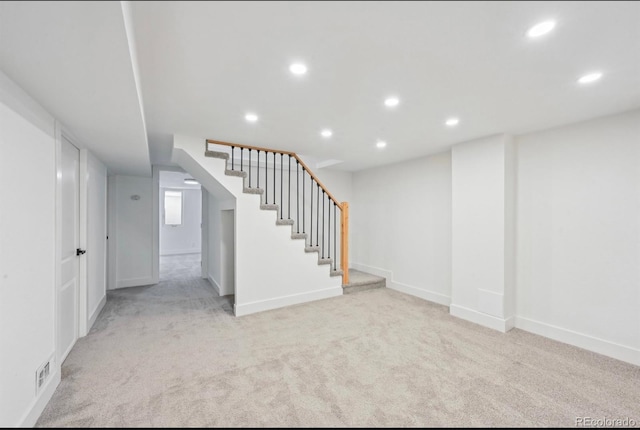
(362, 281)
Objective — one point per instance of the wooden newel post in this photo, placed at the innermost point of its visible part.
(344, 243)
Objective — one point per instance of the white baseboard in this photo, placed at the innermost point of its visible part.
(486, 320)
(39, 403)
(135, 282)
(280, 302)
(600, 346)
(180, 252)
(96, 312)
(215, 285)
(422, 293)
(419, 292)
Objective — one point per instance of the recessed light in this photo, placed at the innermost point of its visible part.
(452, 122)
(591, 77)
(326, 133)
(251, 117)
(381, 144)
(541, 29)
(298, 69)
(391, 102)
(191, 181)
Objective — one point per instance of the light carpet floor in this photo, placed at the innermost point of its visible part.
(174, 355)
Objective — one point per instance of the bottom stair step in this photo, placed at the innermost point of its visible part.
(362, 281)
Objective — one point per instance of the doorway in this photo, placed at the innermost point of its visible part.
(68, 288)
(180, 229)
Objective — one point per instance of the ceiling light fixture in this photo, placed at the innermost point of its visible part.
(591, 77)
(451, 122)
(191, 181)
(298, 69)
(541, 29)
(391, 102)
(251, 117)
(326, 133)
(381, 144)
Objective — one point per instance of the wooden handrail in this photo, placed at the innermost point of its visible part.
(318, 181)
(257, 148)
(344, 243)
(292, 154)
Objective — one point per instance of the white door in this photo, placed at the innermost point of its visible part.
(69, 267)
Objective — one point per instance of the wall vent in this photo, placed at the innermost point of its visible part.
(42, 374)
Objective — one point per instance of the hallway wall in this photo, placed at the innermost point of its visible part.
(185, 238)
(130, 231)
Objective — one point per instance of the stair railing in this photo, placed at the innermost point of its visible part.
(326, 205)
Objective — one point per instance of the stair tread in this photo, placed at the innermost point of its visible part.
(358, 278)
(284, 221)
(216, 154)
(238, 173)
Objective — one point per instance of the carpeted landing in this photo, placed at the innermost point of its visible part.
(174, 355)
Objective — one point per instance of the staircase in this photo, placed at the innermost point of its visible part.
(265, 206)
(362, 281)
(302, 255)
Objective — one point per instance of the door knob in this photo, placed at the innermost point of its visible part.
(81, 251)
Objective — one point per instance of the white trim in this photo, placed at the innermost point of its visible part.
(215, 285)
(58, 244)
(83, 240)
(112, 227)
(431, 296)
(135, 282)
(180, 252)
(155, 219)
(204, 234)
(280, 302)
(422, 293)
(581, 340)
(39, 403)
(96, 312)
(500, 324)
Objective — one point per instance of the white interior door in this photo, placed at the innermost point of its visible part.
(67, 296)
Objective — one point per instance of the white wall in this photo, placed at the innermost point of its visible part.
(185, 238)
(578, 232)
(27, 253)
(130, 232)
(96, 245)
(482, 230)
(401, 225)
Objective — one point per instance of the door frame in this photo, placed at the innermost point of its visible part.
(155, 202)
(81, 296)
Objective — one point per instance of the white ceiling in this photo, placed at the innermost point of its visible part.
(203, 65)
(74, 58)
(172, 179)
